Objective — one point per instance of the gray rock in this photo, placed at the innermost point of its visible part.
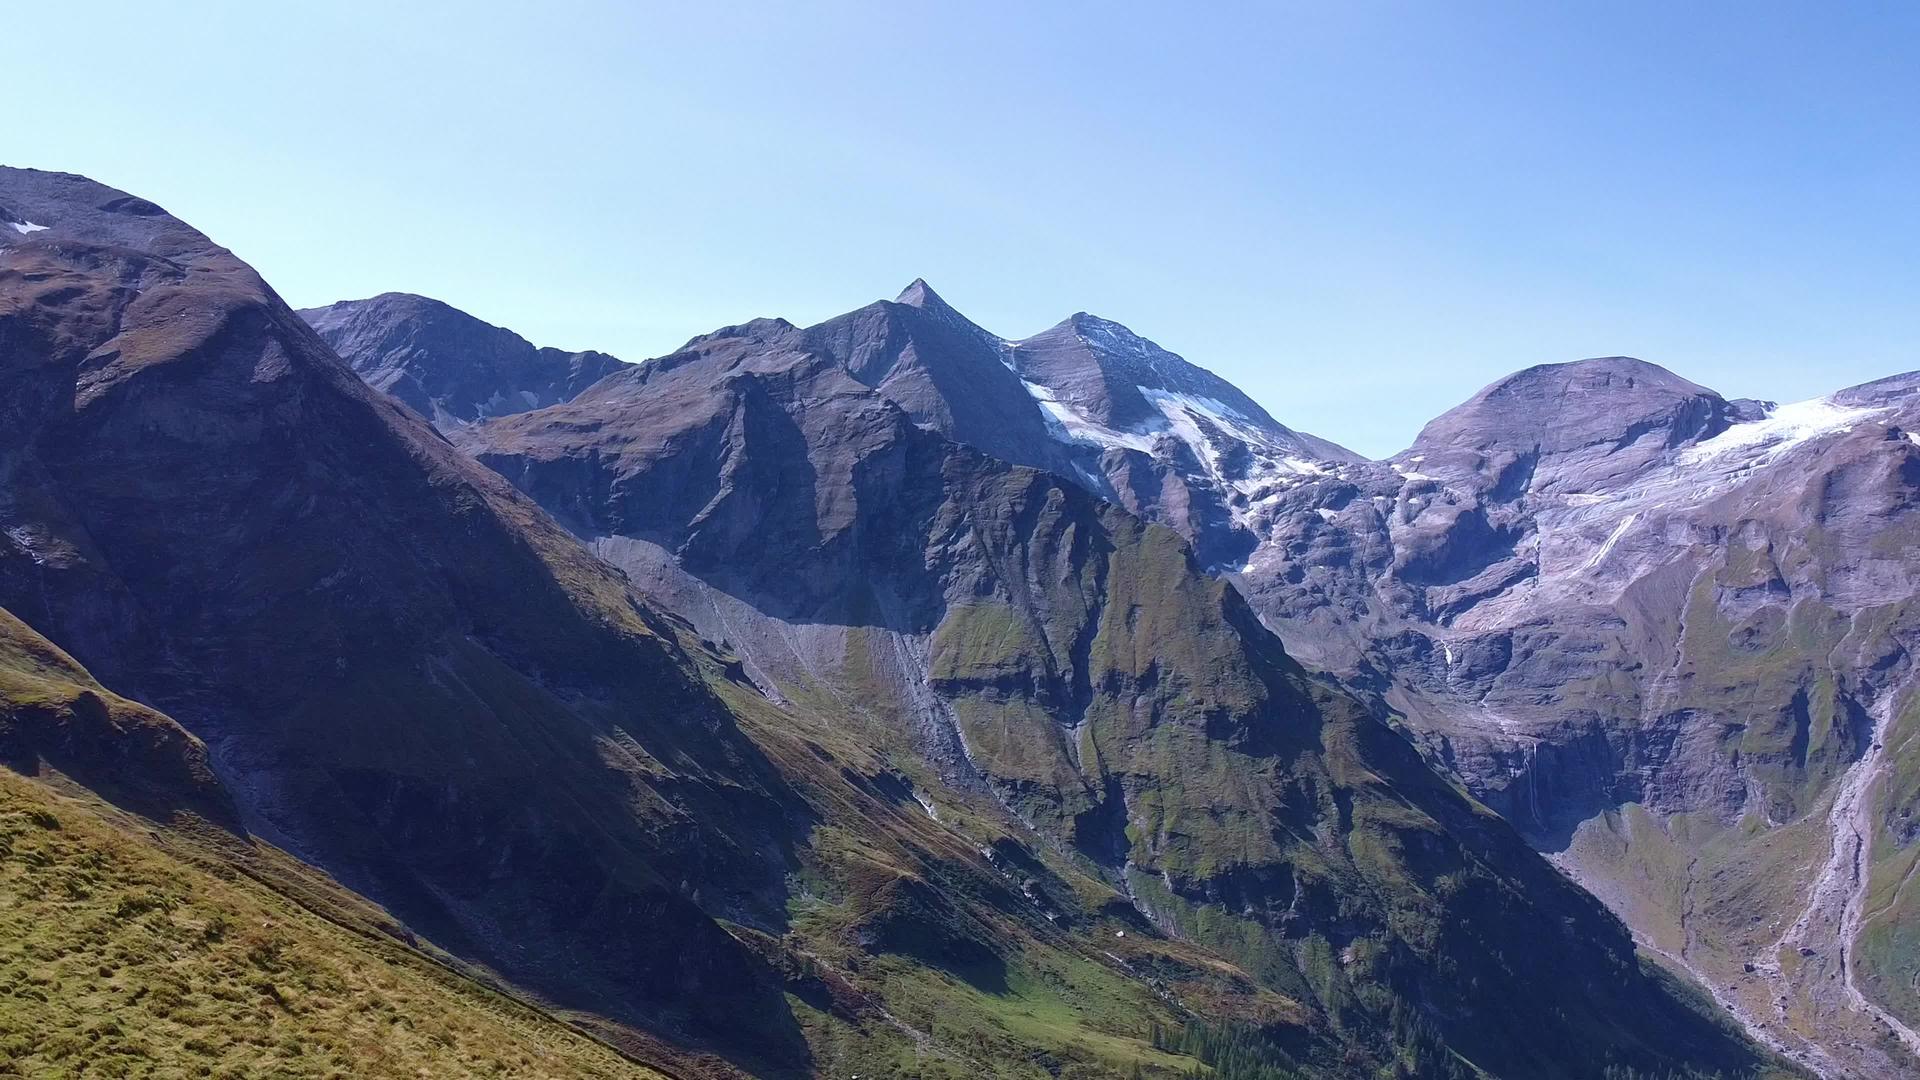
(447, 365)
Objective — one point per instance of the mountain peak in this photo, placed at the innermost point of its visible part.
(1620, 380)
(1100, 332)
(919, 294)
(760, 329)
(1109, 379)
(393, 307)
(1630, 370)
(447, 365)
(1606, 417)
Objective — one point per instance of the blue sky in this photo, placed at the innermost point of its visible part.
(1360, 213)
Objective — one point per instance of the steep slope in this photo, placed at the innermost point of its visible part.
(167, 945)
(1615, 602)
(447, 365)
(1170, 441)
(942, 369)
(1027, 642)
(55, 718)
(403, 671)
(1665, 633)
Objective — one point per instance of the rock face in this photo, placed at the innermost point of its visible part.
(1169, 441)
(447, 365)
(1671, 548)
(942, 370)
(1592, 424)
(1100, 375)
(1025, 640)
(1087, 399)
(1755, 584)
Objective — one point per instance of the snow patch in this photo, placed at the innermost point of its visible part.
(25, 227)
(1219, 412)
(1707, 470)
(1069, 425)
(22, 537)
(1240, 455)
(1213, 429)
(1064, 422)
(1757, 442)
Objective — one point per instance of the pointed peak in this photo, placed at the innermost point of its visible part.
(921, 295)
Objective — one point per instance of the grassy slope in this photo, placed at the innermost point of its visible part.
(168, 946)
(1723, 890)
(1889, 945)
(214, 956)
(1234, 769)
(123, 953)
(1241, 780)
(914, 948)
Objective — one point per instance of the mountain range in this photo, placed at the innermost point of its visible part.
(885, 697)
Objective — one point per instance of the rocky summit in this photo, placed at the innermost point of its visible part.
(448, 366)
(384, 695)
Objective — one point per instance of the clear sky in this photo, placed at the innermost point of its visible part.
(1359, 212)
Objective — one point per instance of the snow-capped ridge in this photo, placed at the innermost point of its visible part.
(1783, 428)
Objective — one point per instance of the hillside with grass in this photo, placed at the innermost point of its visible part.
(126, 953)
(166, 943)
